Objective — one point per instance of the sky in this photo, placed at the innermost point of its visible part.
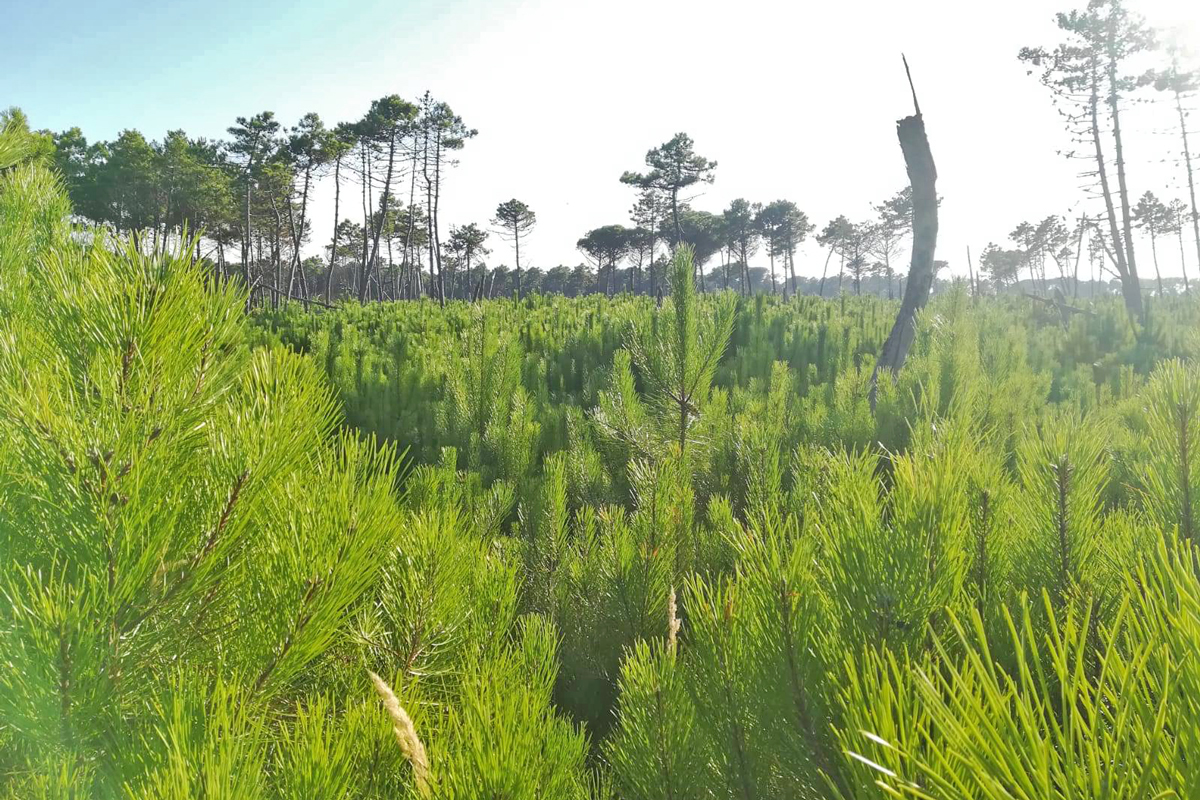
(795, 100)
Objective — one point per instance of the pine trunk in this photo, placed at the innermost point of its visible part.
(1191, 181)
(1131, 290)
(922, 174)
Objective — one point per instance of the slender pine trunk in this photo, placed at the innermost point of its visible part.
(1154, 253)
(1122, 187)
(435, 241)
(361, 283)
(1183, 260)
(383, 209)
(337, 198)
(824, 270)
(517, 244)
(1130, 289)
(1191, 180)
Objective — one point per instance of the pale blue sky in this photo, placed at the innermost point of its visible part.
(793, 99)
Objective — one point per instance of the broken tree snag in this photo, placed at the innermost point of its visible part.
(922, 174)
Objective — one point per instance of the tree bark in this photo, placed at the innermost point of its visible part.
(922, 174)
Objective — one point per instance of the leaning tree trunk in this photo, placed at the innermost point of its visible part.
(821, 290)
(922, 174)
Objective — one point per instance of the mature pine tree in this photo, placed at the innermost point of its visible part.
(514, 221)
(1152, 216)
(467, 242)
(341, 141)
(674, 166)
(742, 235)
(253, 141)
(309, 147)
(442, 132)
(1183, 84)
(1084, 71)
(606, 246)
(836, 237)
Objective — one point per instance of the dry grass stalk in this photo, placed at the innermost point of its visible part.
(406, 734)
(672, 622)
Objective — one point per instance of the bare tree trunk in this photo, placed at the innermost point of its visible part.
(785, 275)
(970, 275)
(297, 267)
(922, 174)
(675, 215)
(517, 243)
(435, 276)
(296, 234)
(395, 273)
(1182, 260)
(1187, 160)
(1131, 290)
(792, 267)
(477, 292)
(246, 240)
(337, 198)
(276, 247)
(361, 283)
(412, 220)
(1113, 104)
(821, 291)
(383, 209)
(435, 243)
(1154, 253)
(417, 271)
(1079, 254)
(166, 223)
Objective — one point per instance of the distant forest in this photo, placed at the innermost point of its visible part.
(248, 196)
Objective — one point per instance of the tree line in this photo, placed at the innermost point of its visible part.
(1107, 59)
(249, 195)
